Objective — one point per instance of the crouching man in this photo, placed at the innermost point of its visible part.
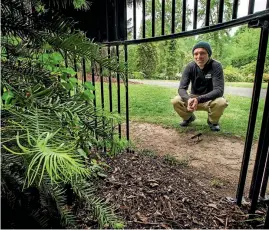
(207, 88)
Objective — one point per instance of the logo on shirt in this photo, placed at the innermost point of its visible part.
(208, 76)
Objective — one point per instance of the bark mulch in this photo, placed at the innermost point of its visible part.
(149, 191)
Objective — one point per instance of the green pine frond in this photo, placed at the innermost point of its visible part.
(58, 195)
(47, 131)
(9, 162)
(101, 211)
(19, 21)
(77, 4)
(40, 218)
(59, 161)
(76, 44)
(47, 151)
(66, 215)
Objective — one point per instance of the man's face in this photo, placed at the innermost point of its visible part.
(201, 57)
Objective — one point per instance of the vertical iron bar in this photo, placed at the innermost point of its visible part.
(260, 146)
(235, 9)
(76, 70)
(253, 113)
(263, 146)
(195, 12)
(153, 18)
(173, 16)
(66, 65)
(107, 22)
(93, 83)
(102, 98)
(266, 222)
(207, 16)
(118, 89)
(65, 60)
(94, 93)
(143, 19)
(125, 19)
(134, 19)
(221, 8)
(84, 70)
(251, 6)
(163, 16)
(116, 13)
(267, 4)
(109, 82)
(265, 177)
(75, 67)
(263, 38)
(102, 88)
(126, 91)
(184, 15)
(7, 53)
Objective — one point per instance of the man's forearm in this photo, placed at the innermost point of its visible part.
(183, 94)
(210, 96)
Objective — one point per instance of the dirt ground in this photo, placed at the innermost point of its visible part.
(173, 181)
(148, 191)
(216, 158)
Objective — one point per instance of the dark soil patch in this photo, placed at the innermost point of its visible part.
(149, 191)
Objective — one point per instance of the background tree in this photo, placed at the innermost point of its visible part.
(219, 38)
(146, 59)
(169, 56)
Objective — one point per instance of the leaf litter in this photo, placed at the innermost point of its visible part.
(149, 193)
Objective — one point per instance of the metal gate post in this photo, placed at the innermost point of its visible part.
(263, 128)
(263, 24)
(261, 156)
(265, 177)
(127, 92)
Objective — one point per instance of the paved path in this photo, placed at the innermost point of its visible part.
(245, 92)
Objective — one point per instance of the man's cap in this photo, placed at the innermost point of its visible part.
(204, 45)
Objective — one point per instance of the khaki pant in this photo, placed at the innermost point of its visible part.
(214, 108)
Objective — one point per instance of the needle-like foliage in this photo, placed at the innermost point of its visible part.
(49, 123)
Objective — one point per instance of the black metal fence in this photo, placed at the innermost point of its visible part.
(254, 20)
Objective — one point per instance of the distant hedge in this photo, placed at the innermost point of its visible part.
(232, 74)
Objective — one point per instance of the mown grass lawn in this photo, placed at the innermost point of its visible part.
(233, 84)
(244, 84)
(151, 104)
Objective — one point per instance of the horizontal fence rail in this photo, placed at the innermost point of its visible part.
(206, 29)
(191, 24)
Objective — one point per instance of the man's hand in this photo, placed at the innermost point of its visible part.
(192, 104)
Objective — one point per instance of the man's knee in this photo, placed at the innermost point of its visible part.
(177, 100)
(219, 102)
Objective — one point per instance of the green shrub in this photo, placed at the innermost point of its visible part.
(232, 74)
(249, 68)
(137, 75)
(266, 77)
(161, 76)
(249, 78)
